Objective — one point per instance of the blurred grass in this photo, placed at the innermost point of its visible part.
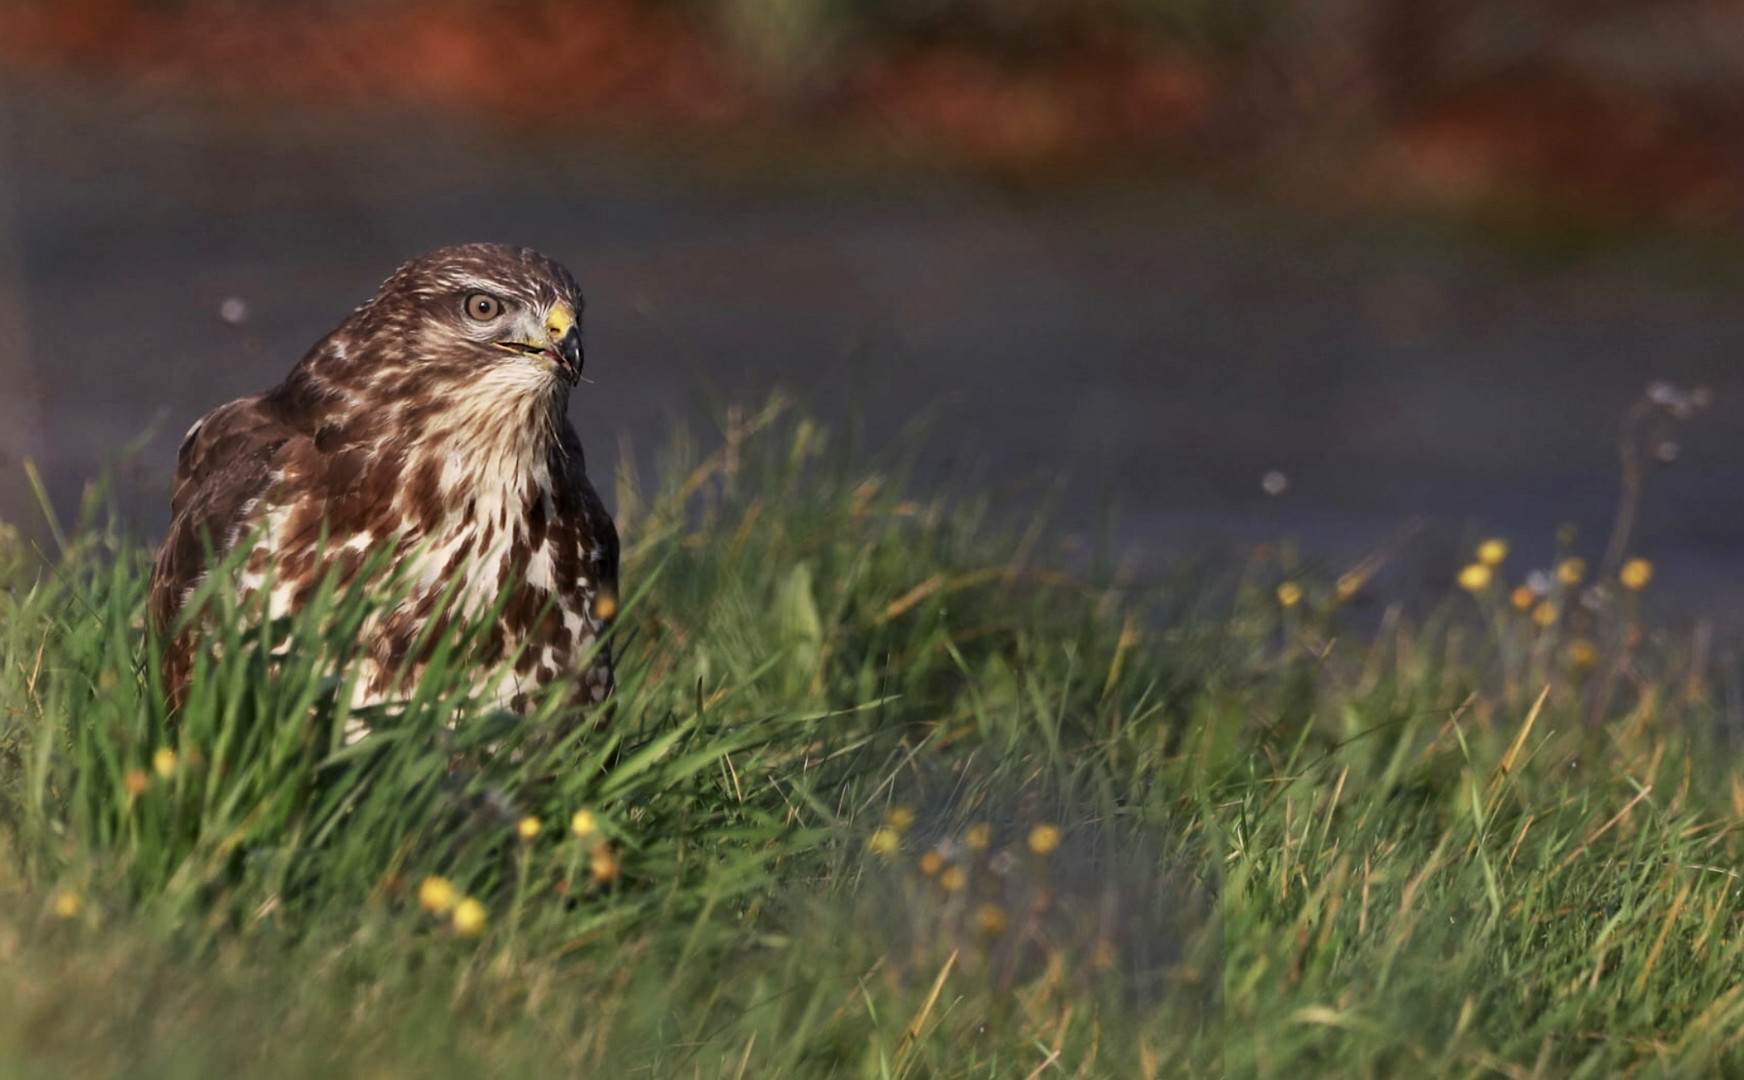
(885, 792)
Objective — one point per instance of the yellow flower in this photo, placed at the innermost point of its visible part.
(931, 863)
(885, 841)
(603, 863)
(437, 895)
(989, 918)
(529, 827)
(1583, 655)
(1493, 552)
(136, 782)
(1349, 585)
(68, 904)
(469, 918)
(1545, 614)
(164, 762)
(584, 824)
(1104, 956)
(1289, 594)
(1571, 571)
(1635, 574)
(1475, 578)
(980, 837)
(1522, 598)
(954, 879)
(900, 818)
(1043, 839)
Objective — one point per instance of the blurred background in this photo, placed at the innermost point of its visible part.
(1234, 269)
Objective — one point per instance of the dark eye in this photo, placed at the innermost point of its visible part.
(483, 306)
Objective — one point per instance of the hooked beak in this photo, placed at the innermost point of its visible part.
(565, 334)
(562, 347)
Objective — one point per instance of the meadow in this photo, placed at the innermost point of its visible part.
(892, 787)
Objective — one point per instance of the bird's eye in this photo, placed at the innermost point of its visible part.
(483, 306)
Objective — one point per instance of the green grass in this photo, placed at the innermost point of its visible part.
(1284, 849)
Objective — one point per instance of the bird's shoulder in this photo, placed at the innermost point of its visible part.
(578, 503)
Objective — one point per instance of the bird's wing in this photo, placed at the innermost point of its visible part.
(223, 467)
(599, 535)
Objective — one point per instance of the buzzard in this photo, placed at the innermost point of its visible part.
(431, 425)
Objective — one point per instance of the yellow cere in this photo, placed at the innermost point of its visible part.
(584, 823)
(1044, 839)
(1635, 574)
(1571, 571)
(1475, 578)
(529, 827)
(1493, 552)
(559, 320)
(1289, 594)
(164, 762)
(885, 841)
(469, 918)
(437, 895)
(980, 837)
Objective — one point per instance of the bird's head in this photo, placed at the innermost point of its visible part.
(484, 316)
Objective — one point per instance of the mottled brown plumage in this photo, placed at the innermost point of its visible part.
(431, 423)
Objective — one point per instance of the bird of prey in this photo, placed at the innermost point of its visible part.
(431, 425)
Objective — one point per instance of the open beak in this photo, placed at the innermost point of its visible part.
(562, 347)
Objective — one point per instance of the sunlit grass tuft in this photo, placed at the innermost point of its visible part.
(883, 793)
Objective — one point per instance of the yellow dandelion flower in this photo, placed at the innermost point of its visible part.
(584, 824)
(1043, 839)
(529, 827)
(1571, 571)
(979, 837)
(1523, 598)
(1475, 578)
(931, 863)
(1289, 594)
(900, 818)
(164, 762)
(469, 917)
(989, 918)
(136, 782)
(1635, 574)
(1583, 655)
(1104, 955)
(1493, 552)
(954, 879)
(68, 904)
(1545, 614)
(885, 841)
(437, 895)
(603, 863)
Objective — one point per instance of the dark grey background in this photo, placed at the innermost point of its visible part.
(1161, 349)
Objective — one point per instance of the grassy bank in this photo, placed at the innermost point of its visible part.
(886, 793)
